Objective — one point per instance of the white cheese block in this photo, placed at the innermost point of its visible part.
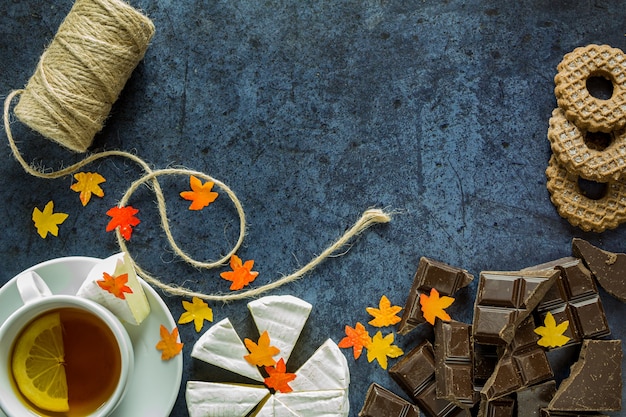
(134, 308)
(222, 400)
(222, 347)
(326, 369)
(283, 317)
(328, 403)
(273, 408)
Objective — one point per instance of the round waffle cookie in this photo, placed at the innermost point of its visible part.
(586, 111)
(596, 215)
(596, 156)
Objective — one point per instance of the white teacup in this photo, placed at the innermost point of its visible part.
(84, 321)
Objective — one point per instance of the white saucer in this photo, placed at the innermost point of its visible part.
(155, 383)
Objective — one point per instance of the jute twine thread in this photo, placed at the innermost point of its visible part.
(83, 70)
(369, 218)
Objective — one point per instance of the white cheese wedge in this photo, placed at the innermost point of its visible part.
(283, 317)
(329, 403)
(222, 400)
(326, 369)
(222, 347)
(134, 308)
(273, 408)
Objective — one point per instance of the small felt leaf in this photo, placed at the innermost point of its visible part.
(169, 344)
(551, 333)
(47, 221)
(197, 311)
(279, 378)
(381, 348)
(200, 194)
(124, 218)
(385, 314)
(433, 306)
(241, 274)
(357, 338)
(88, 183)
(261, 354)
(115, 285)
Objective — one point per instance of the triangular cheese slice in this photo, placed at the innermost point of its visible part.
(327, 369)
(283, 317)
(218, 399)
(221, 346)
(328, 403)
(273, 408)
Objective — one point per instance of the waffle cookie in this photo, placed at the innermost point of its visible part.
(580, 107)
(602, 159)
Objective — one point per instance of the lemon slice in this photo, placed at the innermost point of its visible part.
(38, 364)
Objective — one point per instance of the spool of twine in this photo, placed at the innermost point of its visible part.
(83, 70)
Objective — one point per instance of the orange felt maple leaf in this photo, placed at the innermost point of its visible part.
(124, 218)
(200, 194)
(357, 338)
(279, 378)
(385, 314)
(433, 306)
(88, 183)
(115, 285)
(241, 274)
(261, 354)
(169, 344)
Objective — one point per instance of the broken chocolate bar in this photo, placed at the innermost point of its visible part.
(609, 268)
(430, 274)
(548, 413)
(415, 373)
(532, 399)
(523, 363)
(454, 368)
(574, 298)
(504, 300)
(380, 402)
(595, 380)
(502, 407)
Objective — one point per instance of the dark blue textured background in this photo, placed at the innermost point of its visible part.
(313, 112)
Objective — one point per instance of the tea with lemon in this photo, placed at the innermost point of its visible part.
(65, 362)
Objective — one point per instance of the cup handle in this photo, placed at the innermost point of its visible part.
(31, 287)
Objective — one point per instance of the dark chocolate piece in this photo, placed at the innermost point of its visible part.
(485, 361)
(548, 413)
(609, 268)
(454, 369)
(380, 402)
(523, 363)
(532, 399)
(595, 380)
(415, 373)
(505, 299)
(430, 274)
(502, 407)
(575, 298)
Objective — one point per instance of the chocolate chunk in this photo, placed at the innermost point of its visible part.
(415, 373)
(454, 370)
(575, 298)
(609, 268)
(532, 399)
(380, 402)
(595, 380)
(502, 407)
(548, 413)
(505, 299)
(485, 361)
(430, 274)
(523, 363)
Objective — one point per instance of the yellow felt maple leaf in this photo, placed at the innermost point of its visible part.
(200, 194)
(551, 333)
(47, 221)
(241, 274)
(197, 311)
(261, 354)
(433, 306)
(88, 183)
(381, 347)
(357, 338)
(385, 314)
(169, 344)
